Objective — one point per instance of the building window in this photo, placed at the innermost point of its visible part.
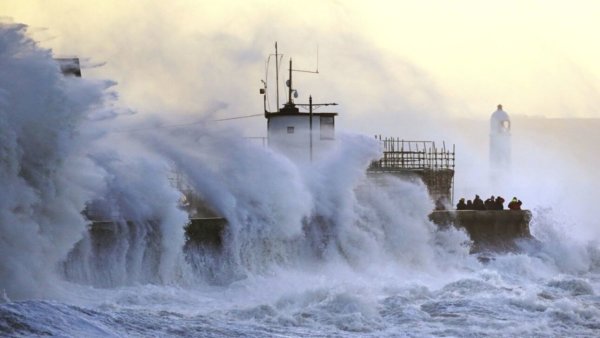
(290, 130)
(327, 128)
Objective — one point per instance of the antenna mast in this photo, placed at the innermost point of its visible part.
(277, 73)
(290, 84)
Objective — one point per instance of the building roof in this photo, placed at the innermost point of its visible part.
(276, 114)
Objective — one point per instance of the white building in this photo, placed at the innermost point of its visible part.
(301, 136)
(291, 133)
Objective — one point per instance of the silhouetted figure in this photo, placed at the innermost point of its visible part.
(478, 203)
(490, 203)
(469, 205)
(461, 205)
(499, 203)
(514, 204)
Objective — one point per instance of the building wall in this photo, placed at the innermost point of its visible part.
(290, 135)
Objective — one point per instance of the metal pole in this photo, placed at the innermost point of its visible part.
(277, 73)
(290, 86)
(310, 116)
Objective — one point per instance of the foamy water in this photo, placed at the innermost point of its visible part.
(311, 250)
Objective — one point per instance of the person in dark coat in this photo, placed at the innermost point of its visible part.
(478, 203)
(514, 204)
(461, 205)
(489, 203)
(499, 203)
(469, 205)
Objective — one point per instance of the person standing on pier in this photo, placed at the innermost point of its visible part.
(499, 203)
(470, 205)
(514, 204)
(478, 203)
(490, 203)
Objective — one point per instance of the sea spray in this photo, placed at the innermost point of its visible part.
(137, 230)
(59, 166)
(259, 192)
(286, 214)
(43, 189)
(556, 248)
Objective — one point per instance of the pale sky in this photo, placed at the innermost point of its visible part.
(383, 61)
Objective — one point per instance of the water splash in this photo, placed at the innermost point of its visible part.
(44, 182)
(59, 160)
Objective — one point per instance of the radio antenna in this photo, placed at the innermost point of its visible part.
(277, 74)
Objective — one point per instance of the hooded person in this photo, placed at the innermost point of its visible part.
(514, 204)
(489, 203)
(499, 203)
(478, 203)
(461, 205)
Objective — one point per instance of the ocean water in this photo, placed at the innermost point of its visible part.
(311, 250)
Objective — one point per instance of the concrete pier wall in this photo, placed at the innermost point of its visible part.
(494, 230)
(98, 258)
(488, 229)
(206, 231)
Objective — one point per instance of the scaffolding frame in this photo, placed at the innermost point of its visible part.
(423, 159)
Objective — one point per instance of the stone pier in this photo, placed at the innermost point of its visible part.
(495, 230)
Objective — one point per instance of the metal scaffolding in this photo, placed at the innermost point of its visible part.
(422, 159)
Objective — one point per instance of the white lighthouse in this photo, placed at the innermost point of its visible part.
(499, 142)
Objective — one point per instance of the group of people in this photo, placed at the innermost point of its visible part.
(492, 203)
